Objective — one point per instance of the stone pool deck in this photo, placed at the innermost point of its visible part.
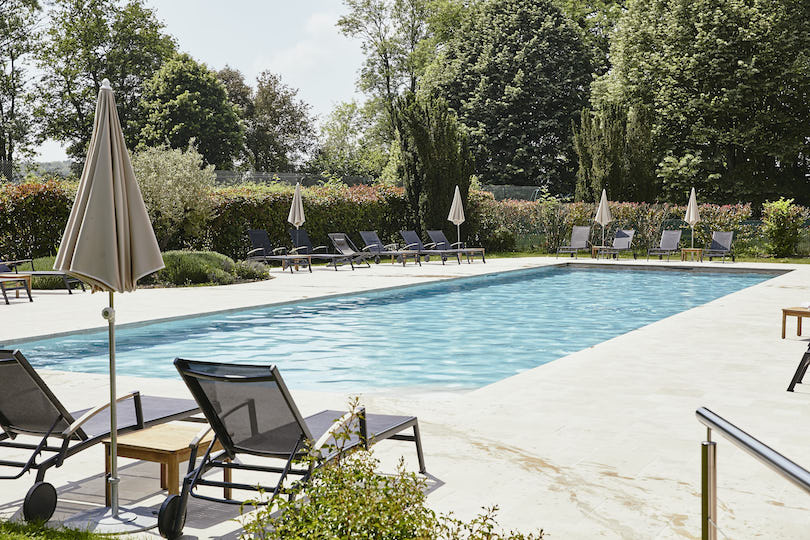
(602, 443)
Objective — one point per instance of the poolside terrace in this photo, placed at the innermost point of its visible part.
(600, 444)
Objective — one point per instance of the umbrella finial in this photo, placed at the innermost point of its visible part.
(105, 84)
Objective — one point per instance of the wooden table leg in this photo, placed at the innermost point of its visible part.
(784, 321)
(227, 477)
(173, 475)
(799, 325)
(163, 473)
(107, 467)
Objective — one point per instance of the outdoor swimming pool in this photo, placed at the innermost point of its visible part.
(463, 333)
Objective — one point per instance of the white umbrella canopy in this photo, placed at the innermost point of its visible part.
(692, 215)
(296, 215)
(603, 216)
(109, 241)
(456, 215)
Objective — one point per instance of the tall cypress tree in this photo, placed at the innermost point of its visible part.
(436, 157)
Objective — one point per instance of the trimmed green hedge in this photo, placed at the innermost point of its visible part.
(33, 217)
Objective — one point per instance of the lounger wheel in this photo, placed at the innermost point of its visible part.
(377, 259)
(427, 258)
(40, 502)
(167, 522)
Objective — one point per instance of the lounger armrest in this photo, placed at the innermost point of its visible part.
(14, 264)
(410, 246)
(319, 247)
(280, 250)
(341, 423)
(370, 246)
(95, 410)
(430, 245)
(459, 244)
(195, 442)
(253, 252)
(391, 247)
(295, 250)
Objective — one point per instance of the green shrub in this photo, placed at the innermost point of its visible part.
(348, 499)
(781, 222)
(176, 187)
(251, 270)
(502, 240)
(44, 282)
(33, 216)
(14, 530)
(195, 267)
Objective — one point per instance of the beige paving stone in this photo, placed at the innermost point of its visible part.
(602, 443)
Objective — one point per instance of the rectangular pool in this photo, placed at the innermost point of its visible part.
(463, 333)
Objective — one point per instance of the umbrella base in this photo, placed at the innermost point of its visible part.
(101, 520)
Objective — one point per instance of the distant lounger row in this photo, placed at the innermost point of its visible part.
(720, 245)
(346, 252)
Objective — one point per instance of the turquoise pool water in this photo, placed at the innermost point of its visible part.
(459, 334)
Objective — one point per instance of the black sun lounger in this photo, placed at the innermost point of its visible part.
(251, 412)
(68, 281)
(29, 410)
(440, 241)
(377, 249)
(720, 246)
(413, 242)
(668, 245)
(579, 240)
(622, 243)
(264, 251)
(344, 245)
(302, 244)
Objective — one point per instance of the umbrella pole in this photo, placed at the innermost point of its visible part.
(458, 234)
(603, 235)
(109, 314)
(693, 236)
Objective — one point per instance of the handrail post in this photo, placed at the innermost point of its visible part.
(708, 499)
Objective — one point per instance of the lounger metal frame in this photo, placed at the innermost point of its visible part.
(344, 245)
(414, 243)
(171, 519)
(440, 241)
(580, 235)
(720, 246)
(48, 453)
(622, 243)
(260, 241)
(68, 281)
(302, 244)
(670, 239)
(375, 247)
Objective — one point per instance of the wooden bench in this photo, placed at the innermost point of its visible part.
(167, 444)
(797, 312)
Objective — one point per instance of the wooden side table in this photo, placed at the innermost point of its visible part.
(167, 444)
(17, 277)
(797, 312)
(693, 254)
(595, 251)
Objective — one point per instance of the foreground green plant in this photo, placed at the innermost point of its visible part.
(347, 498)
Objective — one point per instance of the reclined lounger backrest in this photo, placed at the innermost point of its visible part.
(412, 240)
(259, 239)
(623, 238)
(371, 238)
(342, 243)
(300, 239)
(438, 238)
(248, 407)
(579, 236)
(721, 241)
(26, 403)
(670, 240)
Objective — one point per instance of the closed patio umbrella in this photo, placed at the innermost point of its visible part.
(456, 215)
(692, 215)
(296, 215)
(603, 216)
(109, 242)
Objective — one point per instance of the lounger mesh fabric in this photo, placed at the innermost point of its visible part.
(23, 403)
(721, 241)
(253, 415)
(259, 239)
(372, 241)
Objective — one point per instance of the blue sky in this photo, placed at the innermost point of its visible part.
(297, 40)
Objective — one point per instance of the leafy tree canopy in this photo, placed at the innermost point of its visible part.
(86, 42)
(727, 81)
(184, 100)
(517, 72)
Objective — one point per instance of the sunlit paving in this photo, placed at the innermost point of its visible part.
(404, 269)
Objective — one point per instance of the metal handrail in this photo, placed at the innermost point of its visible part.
(763, 453)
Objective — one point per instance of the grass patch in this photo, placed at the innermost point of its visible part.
(10, 530)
